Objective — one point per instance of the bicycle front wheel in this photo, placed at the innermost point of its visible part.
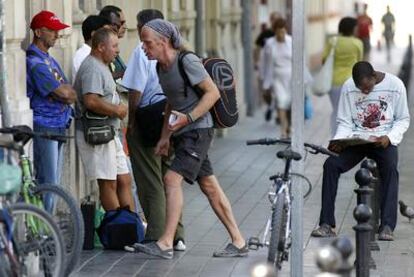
(37, 242)
(276, 244)
(68, 216)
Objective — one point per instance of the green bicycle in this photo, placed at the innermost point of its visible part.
(53, 198)
(30, 241)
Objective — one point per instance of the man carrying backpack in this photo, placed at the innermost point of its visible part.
(188, 124)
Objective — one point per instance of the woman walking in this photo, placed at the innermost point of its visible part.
(348, 51)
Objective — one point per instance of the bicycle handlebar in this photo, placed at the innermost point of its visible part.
(272, 141)
(23, 133)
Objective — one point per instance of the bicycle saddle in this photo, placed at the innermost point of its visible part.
(22, 133)
(289, 155)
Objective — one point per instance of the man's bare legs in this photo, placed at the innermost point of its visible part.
(114, 194)
(107, 194)
(124, 191)
(221, 206)
(174, 205)
(218, 201)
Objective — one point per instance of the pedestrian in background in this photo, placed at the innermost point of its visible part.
(364, 30)
(348, 51)
(266, 32)
(388, 20)
(277, 72)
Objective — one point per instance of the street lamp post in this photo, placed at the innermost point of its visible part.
(298, 15)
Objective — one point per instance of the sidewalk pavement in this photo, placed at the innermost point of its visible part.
(243, 173)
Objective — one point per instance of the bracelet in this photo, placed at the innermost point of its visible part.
(190, 118)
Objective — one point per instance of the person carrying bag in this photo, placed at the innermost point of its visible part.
(322, 83)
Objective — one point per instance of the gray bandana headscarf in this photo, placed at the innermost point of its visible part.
(166, 29)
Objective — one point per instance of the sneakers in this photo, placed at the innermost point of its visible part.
(179, 245)
(232, 251)
(152, 249)
(386, 234)
(323, 231)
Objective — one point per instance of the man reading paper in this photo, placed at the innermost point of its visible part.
(373, 106)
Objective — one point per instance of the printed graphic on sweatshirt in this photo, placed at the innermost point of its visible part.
(371, 112)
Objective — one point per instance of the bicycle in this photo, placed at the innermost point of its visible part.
(278, 225)
(53, 198)
(30, 241)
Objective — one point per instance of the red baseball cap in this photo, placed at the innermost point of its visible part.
(47, 19)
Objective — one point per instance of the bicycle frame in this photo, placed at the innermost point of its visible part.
(277, 187)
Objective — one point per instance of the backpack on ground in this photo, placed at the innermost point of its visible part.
(224, 112)
(119, 228)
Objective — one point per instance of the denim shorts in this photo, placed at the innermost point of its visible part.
(191, 154)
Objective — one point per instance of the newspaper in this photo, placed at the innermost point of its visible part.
(346, 142)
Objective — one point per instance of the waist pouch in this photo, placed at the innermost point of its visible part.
(96, 128)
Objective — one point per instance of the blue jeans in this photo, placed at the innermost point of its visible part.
(48, 159)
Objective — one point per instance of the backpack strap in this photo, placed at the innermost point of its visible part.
(184, 75)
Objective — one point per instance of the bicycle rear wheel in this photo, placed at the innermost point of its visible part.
(276, 244)
(66, 213)
(308, 185)
(37, 242)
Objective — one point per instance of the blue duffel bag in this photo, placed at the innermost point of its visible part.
(119, 228)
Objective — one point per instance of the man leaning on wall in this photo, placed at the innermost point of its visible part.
(50, 96)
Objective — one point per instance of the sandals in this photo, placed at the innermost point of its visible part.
(151, 249)
(232, 251)
(323, 231)
(386, 234)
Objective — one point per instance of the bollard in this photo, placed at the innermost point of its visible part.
(364, 178)
(328, 260)
(362, 213)
(371, 165)
(344, 246)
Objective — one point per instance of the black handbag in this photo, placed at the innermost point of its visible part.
(96, 128)
(149, 121)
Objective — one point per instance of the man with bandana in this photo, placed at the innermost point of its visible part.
(188, 124)
(50, 96)
(144, 90)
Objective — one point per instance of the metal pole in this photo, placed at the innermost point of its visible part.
(5, 112)
(247, 56)
(199, 28)
(298, 16)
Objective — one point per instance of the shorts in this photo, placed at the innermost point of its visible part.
(190, 154)
(104, 161)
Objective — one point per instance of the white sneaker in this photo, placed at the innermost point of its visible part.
(180, 245)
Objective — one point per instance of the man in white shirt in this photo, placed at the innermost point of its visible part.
(89, 26)
(373, 106)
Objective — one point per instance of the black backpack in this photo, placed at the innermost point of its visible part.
(224, 112)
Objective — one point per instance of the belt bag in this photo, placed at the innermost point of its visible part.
(96, 128)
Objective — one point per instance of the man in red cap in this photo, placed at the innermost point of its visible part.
(50, 96)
